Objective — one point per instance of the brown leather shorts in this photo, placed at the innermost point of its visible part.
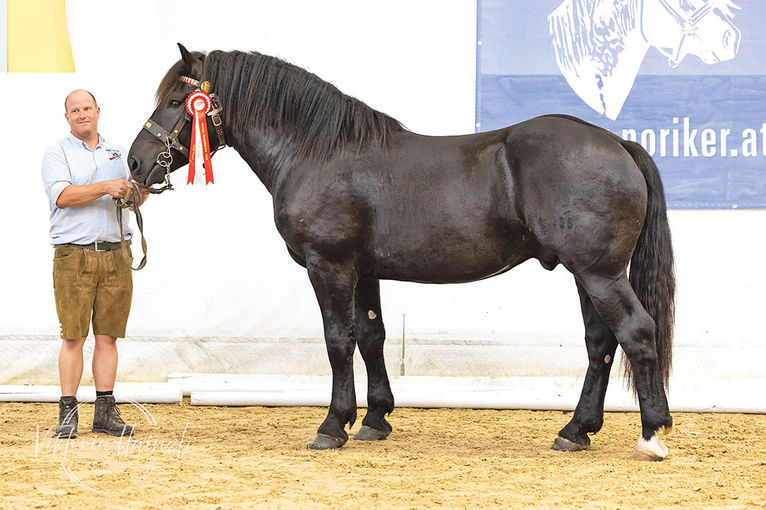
(89, 284)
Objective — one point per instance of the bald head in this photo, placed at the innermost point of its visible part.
(79, 93)
(82, 114)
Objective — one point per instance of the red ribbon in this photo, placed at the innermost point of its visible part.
(198, 104)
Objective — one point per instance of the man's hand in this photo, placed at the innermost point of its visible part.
(116, 187)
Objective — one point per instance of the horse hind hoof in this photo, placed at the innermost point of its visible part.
(563, 444)
(370, 434)
(325, 442)
(653, 449)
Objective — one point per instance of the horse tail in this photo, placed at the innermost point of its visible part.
(652, 274)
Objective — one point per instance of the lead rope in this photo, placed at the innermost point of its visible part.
(131, 200)
(133, 197)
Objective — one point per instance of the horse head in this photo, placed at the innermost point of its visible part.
(162, 146)
(704, 28)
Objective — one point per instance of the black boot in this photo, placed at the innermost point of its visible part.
(67, 427)
(107, 419)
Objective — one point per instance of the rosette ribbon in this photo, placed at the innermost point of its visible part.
(198, 104)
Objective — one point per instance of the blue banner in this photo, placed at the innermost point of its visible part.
(685, 78)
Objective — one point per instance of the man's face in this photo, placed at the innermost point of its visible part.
(82, 114)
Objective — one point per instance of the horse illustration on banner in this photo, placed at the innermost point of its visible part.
(600, 44)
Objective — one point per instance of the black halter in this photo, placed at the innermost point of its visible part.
(170, 137)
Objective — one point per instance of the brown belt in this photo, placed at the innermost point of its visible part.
(98, 245)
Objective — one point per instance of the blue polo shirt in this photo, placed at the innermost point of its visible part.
(70, 161)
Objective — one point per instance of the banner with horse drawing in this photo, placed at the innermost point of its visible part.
(685, 78)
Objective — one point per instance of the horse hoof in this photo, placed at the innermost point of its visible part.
(370, 434)
(325, 442)
(563, 444)
(653, 449)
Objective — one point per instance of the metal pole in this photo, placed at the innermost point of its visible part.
(401, 361)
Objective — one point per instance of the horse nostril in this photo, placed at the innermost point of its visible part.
(133, 164)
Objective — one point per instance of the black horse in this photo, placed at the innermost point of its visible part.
(358, 198)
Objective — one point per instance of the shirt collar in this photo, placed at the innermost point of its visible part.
(79, 143)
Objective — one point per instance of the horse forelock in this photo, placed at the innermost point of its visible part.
(581, 29)
(264, 92)
(171, 82)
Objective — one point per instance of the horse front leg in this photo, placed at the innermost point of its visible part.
(589, 413)
(334, 286)
(370, 336)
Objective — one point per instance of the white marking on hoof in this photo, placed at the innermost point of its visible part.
(371, 315)
(653, 449)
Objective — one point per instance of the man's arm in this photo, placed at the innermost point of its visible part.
(74, 194)
(57, 180)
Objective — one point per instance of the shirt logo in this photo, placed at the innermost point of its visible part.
(114, 153)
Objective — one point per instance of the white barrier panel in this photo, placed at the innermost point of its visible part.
(539, 393)
(686, 394)
(33, 360)
(151, 393)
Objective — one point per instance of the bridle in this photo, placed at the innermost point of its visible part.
(133, 196)
(170, 137)
(688, 23)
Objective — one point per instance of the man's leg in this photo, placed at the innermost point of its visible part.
(70, 366)
(106, 416)
(70, 374)
(73, 289)
(104, 362)
(110, 316)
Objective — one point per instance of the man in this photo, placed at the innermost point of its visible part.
(91, 273)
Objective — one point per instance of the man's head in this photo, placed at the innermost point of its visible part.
(82, 114)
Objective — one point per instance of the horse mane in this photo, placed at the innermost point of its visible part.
(580, 29)
(265, 92)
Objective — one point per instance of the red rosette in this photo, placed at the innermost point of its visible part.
(198, 102)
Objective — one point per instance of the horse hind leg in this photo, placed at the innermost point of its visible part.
(370, 335)
(634, 328)
(589, 413)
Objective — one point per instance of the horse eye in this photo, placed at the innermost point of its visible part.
(175, 103)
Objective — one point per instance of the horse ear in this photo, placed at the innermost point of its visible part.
(186, 55)
(192, 63)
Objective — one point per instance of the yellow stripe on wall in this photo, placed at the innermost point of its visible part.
(38, 39)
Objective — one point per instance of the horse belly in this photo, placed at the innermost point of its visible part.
(434, 254)
(448, 215)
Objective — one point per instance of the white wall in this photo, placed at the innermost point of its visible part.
(218, 272)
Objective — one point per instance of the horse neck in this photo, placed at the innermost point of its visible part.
(269, 154)
(604, 84)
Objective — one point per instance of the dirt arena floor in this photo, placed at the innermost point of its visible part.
(218, 457)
